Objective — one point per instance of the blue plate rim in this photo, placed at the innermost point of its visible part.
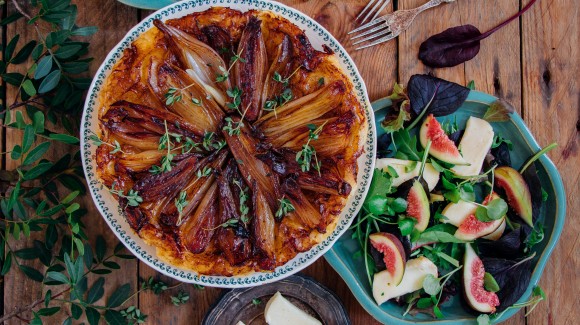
(555, 179)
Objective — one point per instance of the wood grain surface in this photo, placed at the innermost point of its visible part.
(533, 62)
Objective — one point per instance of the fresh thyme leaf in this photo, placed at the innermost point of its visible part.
(226, 72)
(244, 209)
(133, 198)
(205, 172)
(284, 208)
(321, 81)
(181, 298)
(172, 96)
(180, 203)
(196, 101)
(231, 127)
(256, 301)
(304, 156)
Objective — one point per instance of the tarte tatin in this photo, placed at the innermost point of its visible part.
(230, 143)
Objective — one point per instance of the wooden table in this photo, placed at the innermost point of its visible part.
(532, 62)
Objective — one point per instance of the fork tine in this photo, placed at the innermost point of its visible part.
(370, 37)
(364, 10)
(372, 30)
(379, 41)
(380, 9)
(371, 12)
(367, 25)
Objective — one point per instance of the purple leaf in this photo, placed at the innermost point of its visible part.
(447, 96)
(451, 47)
(458, 44)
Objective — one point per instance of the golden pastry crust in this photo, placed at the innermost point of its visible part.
(259, 163)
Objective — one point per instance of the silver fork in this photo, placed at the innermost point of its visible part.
(391, 25)
(373, 9)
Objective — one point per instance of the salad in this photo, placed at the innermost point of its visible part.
(448, 216)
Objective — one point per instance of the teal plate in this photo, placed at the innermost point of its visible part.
(148, 4)
(553, 213)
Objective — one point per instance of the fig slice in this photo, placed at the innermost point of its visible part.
(517, 192)
(476, 295)
(496, 234)
(415, 272)
(442, 147)
(468, 226)
(417, 203)
(393, 254)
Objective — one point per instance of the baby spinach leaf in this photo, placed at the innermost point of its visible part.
(445, 96)
(406, 146)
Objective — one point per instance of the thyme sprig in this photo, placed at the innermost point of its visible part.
(244, 209)
(284, 81)
(304, 156)
(180, 203)
(165, 143)
(226, 72)
(278, 101)
(133, 198)
(98, 142)
(284, 208)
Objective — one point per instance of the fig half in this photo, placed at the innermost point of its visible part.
(393, 255)
(473, 289)
(517, 192)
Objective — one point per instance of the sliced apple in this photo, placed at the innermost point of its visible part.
(393, 254)
(474, 146)
(415, 272)
(517, 192)
(473, 289)
(407, 169)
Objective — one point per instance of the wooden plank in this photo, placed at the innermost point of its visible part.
(113, 20)
(377, 65)
(428, 23)
(322, 272)
(159, 308)
(496, 69)
(551, 109)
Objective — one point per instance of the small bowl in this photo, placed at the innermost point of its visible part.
(109, 207)
(553, 214)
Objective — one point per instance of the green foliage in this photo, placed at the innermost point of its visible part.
(39, 195)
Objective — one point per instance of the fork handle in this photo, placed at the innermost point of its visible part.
(431, 4)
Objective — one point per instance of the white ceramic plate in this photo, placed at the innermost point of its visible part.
(109, 207)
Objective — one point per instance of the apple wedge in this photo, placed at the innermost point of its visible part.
(407, 169)
(474, 146)
(415, 272)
